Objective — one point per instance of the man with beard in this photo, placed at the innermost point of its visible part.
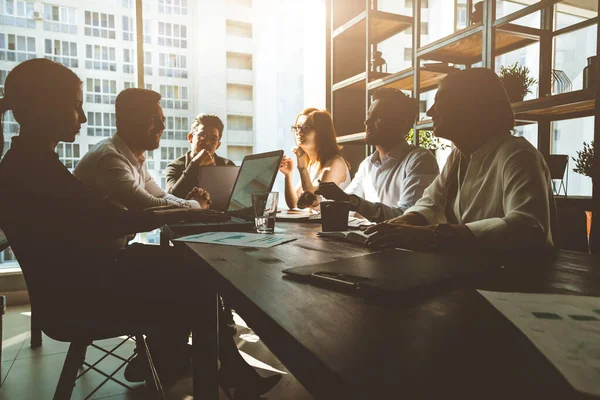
(394, 177)
(116, 166)
(205, 139)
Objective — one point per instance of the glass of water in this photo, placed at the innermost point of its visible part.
(265, 210)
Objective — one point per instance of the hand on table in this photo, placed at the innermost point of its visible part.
(390, 234)
(201, 196)
(308, 199)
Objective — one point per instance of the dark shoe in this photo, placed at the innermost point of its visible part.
(137, 370)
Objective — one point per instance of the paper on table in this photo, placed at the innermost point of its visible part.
(238, 239)
(565, 328)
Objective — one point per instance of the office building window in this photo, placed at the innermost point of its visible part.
(239, 122)
(17, 13)
(173, 7)
(101, 124)
(146, 4)
(101, 58)
(408, 54)
(9, 124)
(172, 65)
(62, 52)
(100, 25)
(174, 96)
(128, 29)
(239, 92)
(237, 153)
(169, 154)
(172, 35)
(16, 47)
(237, 28)
(176, 128)
(147, 31)
(68, 153)
(239, 61)
(60, 19)
(150, 160)
(101, 91)
(148, 69)
(128, 61)
(128, 85)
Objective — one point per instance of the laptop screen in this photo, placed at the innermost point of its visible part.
(257, 174)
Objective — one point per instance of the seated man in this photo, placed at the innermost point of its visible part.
(117, 166)
(205, 138)
(494, 193)
(395, 176)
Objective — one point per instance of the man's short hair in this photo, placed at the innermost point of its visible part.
(133, 106)
(209, 121)
(402, 105)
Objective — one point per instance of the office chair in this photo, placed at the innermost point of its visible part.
(557, 164)
(81, 331)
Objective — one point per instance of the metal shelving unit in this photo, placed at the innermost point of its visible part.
(355, 27)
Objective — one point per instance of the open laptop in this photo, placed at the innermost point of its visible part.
(257, 174)
(219, 182)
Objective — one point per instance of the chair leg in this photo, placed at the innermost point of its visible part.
(157, 389)
(36, 331)
(66, 383)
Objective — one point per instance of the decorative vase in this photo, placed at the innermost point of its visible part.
(589, 73)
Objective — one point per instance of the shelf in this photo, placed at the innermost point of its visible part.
(560, 106)
(355, 137)
(465, 46)
(382, 25)
(354, 82)
(404, 80)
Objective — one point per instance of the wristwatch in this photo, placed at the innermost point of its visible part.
(442, 235)
(354, 201)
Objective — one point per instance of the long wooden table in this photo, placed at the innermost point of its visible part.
(341, 346)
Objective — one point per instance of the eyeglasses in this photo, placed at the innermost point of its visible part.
(301, 128)
(203, 136)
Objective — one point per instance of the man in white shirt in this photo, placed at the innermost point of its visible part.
(494, 193)
(116, 166)
(394, 177)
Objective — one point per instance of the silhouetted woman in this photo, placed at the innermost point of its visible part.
(55, 224)
(318, 158)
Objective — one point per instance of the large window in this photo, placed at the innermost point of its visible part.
(101, 91)
(17, 13)
(169, 154)
(60, 19)
(62, 51)
(176, 128)
(101, 124)
(239, 60)
(173, 7)
(16, 47)
(172, 65)
(69, 154)
(172, 35)
(101, 58)
(174, 96)
(100, 25)
(239, 122)
(237, 28)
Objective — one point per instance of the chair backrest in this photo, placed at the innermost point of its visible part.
(557, 164)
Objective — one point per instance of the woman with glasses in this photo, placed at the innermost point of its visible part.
(318, 159)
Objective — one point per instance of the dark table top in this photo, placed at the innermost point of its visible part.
(340, 345)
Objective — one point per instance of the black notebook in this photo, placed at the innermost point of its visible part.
(395, 271)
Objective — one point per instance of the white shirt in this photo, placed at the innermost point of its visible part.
(505, 198)
(111, 167)
(388, 187)
(316, 175)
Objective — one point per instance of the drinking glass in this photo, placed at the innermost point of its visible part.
(265, 210)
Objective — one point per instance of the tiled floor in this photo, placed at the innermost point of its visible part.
(33, 373)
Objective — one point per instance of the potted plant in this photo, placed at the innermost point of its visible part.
(516, 81)
(584, 165)
(427, 140)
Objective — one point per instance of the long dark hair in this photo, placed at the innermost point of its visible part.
(325, 136)
(32, 86)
